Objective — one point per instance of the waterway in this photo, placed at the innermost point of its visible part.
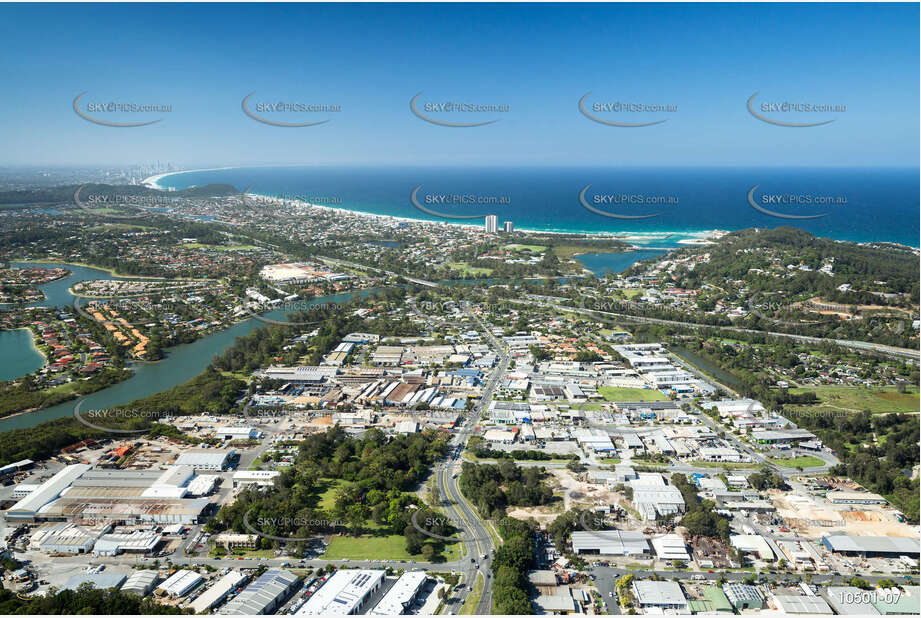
(18, 357)
(603, 263)
(707, 367)
(181, 364)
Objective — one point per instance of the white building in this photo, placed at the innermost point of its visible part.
(671, 547)
(218, 592)
(401, 596)
(610, 543)
(660, 595)
(348, 591)
(237, 433)
(206, 459)
(179, 584)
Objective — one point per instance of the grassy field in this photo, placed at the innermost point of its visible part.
(118, 226)
(380, 547)
(630, 294)
(326, 500)
(378, 544)
(244, 553)
(858, 399)
(198, 245)
(531, 248)
(566, 252)
(611, 393)
(806, 461)
(473, 599)
(467, 269)
(723, 464)
(236, 374)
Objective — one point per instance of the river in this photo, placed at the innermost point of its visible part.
(18, 356)
(181, 364)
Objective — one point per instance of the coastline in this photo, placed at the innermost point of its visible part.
(693, 238)
(687, 238)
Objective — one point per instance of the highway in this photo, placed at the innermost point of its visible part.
(860, 346)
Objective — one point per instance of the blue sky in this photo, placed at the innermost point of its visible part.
(538, 59)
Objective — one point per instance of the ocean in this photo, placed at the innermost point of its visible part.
(855, 204)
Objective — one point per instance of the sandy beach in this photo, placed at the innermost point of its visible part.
(695, 238)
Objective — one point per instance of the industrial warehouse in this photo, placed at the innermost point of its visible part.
(81, 493)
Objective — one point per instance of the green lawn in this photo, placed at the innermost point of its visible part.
(728, 465)
(326, 500)
(846, 398)
(118, 226)
(806, 461)
(198, 245)
(531, 248)
(243, 553)
(610, 460)
(631, 293)
(611, 393)
(380, 547)
(467, 269)
(566, 252)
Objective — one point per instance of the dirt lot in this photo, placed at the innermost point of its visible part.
(574, 492)
(813, 517)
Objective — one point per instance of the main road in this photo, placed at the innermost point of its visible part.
(860, 346)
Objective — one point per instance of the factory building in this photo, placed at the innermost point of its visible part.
(179, 584)
(873, 546)
(261, 478)
(653, 498)
(206, 459)
(743, 596)
(218, 592)
(141, 582)
(100, 581)
(660, 595)
(264, 595)
(671, 547)
(347, 592)
(83, 494)
(610, 543)
(402, 595)
(237, 433)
